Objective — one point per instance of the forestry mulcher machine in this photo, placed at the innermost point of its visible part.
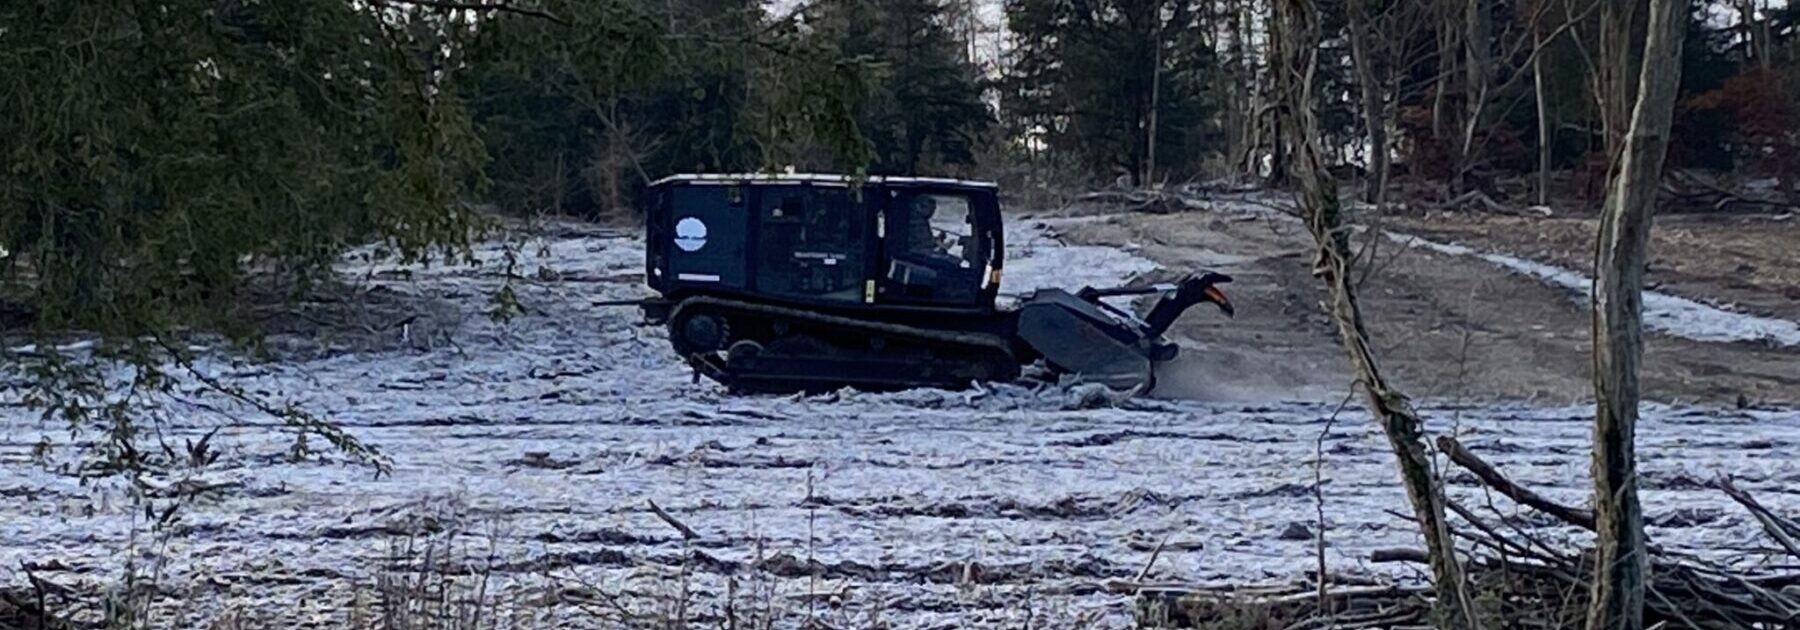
(783, 283)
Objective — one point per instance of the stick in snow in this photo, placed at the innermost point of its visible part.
(687, 533)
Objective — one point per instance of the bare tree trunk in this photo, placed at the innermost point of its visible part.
(1155, 97)
(1256, 91)
(1477, 46)
(968, 27)
(1447, 54)
(1622, 28)
(1297, 59)
(1477, 43)
(1758, 47)
(1620, 564)
(1281, 86)
(1237, 94)
(559, 182)
(1762, 30)
(1543, 118)
(1373, 102)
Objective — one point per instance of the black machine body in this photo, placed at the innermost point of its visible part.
(815, 282)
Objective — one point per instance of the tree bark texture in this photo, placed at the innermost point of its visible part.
(1622, 33)
(1297, 60)
(1279, 41)
(1617, 602)
(1543, 118)
(1373, 101)
(1240, 112)
(1255, 92)
(1448, 53)
(1477, 47)
(1155, 100)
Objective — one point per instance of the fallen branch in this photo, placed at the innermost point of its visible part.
(1154, 553)
(1782, 530)
(1153, 201)
(1519, 494)
(1475, 196)
(1721, 197)
(1410, 556)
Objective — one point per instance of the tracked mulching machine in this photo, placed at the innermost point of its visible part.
(815, 282)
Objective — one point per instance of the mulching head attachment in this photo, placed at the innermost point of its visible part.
(1077, 333)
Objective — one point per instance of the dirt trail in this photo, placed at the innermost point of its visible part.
(1449, 326)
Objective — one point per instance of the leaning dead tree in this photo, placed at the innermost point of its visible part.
(1617, 602)
(1319, 205)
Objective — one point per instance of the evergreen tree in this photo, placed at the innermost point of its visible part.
(149, 151)
(555, 103)
(579, 114)
(924, 107)
(1118, 83)
(157, 154)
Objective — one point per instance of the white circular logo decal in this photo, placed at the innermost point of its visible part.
(690, 234)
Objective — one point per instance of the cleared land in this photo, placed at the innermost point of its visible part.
(1457, 326)
(527, 452)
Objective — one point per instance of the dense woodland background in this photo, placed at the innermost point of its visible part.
(168, 162)
(153, 148)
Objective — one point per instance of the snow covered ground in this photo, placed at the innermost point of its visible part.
(535, 446)
(1037, 258)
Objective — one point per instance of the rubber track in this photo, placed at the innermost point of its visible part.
(717, 372)
(967, 339)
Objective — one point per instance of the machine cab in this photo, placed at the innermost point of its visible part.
(826, 240)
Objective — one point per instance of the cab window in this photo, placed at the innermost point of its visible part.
(933, 254)
(811, 243)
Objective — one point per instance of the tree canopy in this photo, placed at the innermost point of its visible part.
(157, 153)
(1094, 78)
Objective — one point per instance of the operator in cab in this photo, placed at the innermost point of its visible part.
(921, 239)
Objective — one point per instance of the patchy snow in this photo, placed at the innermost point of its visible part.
(1037, 258)
(538, 443)
(1665, 313)
(1668, 314)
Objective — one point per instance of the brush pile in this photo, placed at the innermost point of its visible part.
(1518, 578)
(1177, 198)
